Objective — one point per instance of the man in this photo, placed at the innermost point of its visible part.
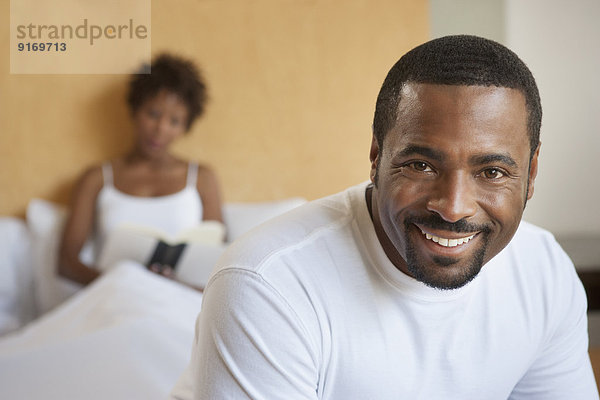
(423, 284)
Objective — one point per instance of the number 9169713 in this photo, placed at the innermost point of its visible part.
(42, 46)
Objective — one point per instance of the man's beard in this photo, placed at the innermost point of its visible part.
(430, 274)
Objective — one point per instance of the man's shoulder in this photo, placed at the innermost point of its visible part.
(533, 237)
(298, 228)
(536, 250)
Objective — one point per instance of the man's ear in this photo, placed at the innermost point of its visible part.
(533, 169)
(374, 157)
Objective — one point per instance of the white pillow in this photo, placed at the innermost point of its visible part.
(241, 217)
(45, 221)
(16, 286)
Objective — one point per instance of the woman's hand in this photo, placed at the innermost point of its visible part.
(162, 269)
(168, 272)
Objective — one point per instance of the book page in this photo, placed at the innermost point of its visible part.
(138, 243)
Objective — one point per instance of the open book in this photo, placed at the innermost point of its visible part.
(192, 253)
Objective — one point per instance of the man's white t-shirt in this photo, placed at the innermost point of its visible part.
(308, 306)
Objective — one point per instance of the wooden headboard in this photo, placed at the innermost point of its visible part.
(292, 86)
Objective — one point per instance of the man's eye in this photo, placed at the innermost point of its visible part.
(420, 166)
(492, 173)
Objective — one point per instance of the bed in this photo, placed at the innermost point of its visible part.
(128, 335)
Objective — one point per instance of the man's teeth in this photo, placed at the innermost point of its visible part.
(448, 242)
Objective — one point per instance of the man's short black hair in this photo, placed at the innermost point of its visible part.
(458, 60)
(174, 74)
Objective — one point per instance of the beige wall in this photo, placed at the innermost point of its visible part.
(293, 87)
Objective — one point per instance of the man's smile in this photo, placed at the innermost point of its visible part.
(448, 241)
(455, 244)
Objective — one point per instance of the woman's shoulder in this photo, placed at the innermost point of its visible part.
(206, 174)
(208, 188)
(92, 178)
(206, 178)
(205, 169)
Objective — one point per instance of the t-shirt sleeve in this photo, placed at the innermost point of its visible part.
(250, 343)
(562, 369)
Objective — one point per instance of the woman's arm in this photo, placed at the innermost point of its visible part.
(210, 193)
(79, 226)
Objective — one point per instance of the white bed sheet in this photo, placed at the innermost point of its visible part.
(126, 336)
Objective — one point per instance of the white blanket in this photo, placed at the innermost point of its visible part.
(126, 336)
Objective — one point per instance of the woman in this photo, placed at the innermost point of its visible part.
(147, 185)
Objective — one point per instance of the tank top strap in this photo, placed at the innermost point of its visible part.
(107, 173)
(192, 175)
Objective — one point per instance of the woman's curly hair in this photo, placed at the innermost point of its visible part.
(174, 74)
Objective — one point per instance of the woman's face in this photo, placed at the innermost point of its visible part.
(159, 121)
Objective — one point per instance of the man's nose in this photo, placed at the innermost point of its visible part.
(453, 197)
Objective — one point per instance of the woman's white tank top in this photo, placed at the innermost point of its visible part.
(171, 213)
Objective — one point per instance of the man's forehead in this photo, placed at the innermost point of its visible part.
(412, 90)
(437, 103)
(480, 117)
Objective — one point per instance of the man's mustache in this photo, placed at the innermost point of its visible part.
(435, 221)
